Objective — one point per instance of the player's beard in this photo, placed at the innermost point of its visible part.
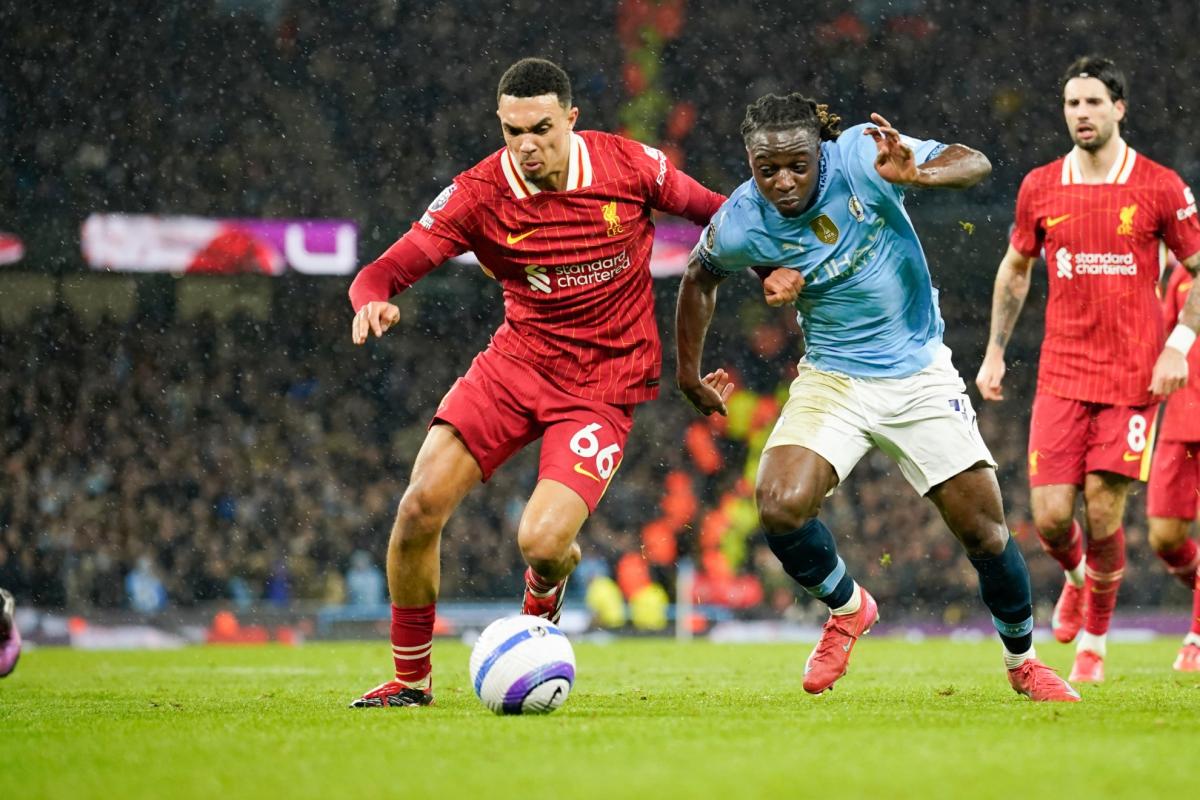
(1102, 137)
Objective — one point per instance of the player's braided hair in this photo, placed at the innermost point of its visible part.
(534, 77)
(773, 112)
(1103, 70)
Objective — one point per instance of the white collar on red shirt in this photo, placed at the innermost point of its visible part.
(1122, 166)
(579, 170)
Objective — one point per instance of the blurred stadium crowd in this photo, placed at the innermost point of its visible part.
(315, 108)
(150, 461)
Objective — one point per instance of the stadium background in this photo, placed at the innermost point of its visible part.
(221, 437)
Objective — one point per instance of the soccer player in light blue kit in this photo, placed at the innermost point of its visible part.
(829, 207)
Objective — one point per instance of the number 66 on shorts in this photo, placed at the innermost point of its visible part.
(503, 404)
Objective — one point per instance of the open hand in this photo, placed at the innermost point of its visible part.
(894, 160)
(709, 394)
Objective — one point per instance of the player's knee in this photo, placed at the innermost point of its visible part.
(785, 508)
(1102, 519)
(1104, 506)
(546, 548)
(1166, 536)
(1053, 521)
(984, 541)
(420, 517)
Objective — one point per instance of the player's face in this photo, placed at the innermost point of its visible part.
(785, 165)
(537, 131)
(1092, 116)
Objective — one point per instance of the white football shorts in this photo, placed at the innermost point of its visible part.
(925, 422)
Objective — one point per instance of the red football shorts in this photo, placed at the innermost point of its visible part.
(1070, 438)
(1174, 481)
(503, 404)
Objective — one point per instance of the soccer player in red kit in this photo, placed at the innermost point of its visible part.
(1175, 476)
(562, 220)
(1098, 215)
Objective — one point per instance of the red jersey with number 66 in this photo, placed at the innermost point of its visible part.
(1104, 326)
(574, 264)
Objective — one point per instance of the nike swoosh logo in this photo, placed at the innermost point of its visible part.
(579, 468)
(1131, 457)
(514, 239)
(1052, 221)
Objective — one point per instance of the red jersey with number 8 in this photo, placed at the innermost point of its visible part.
(1101, 244)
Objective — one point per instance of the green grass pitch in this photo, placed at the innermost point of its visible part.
(647, 719)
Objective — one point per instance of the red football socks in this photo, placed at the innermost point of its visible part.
(412, 642)
(1182, 562)
(1105, 566)
(1067, 550)
(539, 586)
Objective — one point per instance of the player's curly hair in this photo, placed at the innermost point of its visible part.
(534, 77)
(773, 112)
(1103, 70)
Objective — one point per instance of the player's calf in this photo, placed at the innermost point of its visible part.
(1105, 568)
(1067, 550)
(546, 538)
(1181, 561)
(1066, 547)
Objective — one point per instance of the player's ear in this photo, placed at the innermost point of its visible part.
(572, 116)
(1119, 107)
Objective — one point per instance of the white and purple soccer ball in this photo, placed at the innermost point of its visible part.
(522, 665)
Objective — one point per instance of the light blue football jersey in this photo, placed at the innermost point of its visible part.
(868, 307)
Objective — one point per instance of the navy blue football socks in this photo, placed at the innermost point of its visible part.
(1004, 587)
(809, 555)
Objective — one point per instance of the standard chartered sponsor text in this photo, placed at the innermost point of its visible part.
(1105, 264)
(598, 271)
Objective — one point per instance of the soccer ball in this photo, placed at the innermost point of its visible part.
(522, 665)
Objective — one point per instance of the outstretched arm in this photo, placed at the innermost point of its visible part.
(1171, 369)
(400, 267)
(685, 197)
(956, 167)
(693, 313)
(1008, 297)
